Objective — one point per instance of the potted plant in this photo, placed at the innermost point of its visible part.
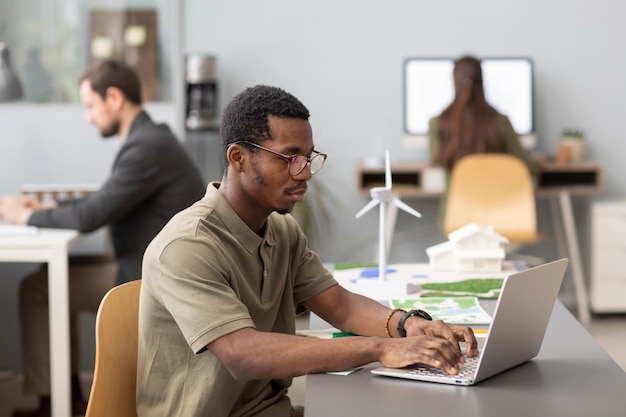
(575, 140)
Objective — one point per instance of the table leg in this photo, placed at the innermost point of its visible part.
(557, 225)
(559, 240)
(58, 289)
(571, 239)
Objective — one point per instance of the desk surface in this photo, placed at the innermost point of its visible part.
(20, 247)
(572, 376)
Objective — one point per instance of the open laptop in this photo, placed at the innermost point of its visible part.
(516, 332)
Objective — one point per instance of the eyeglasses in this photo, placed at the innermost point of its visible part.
(296, 163)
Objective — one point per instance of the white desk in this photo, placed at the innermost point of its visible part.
(51, 246)
(556, 182)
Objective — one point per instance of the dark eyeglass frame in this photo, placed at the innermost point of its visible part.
(295, 167)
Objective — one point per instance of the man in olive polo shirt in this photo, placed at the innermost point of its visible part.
(223, 280)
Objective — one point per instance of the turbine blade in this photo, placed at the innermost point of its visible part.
(401, 205)
(367, 207)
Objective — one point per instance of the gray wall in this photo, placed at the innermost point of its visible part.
(343, 59)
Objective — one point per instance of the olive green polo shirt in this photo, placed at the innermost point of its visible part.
(205, 275)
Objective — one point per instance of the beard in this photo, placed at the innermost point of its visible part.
(258, 178)
(110, 130)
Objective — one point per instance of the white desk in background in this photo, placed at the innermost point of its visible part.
(50, 246)
(556, 182)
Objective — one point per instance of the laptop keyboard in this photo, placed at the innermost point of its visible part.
(468, 369)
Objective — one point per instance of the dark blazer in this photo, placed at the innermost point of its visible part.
(152, 179)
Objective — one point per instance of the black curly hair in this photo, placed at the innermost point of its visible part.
(246, 116)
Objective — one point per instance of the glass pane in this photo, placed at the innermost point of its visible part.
(51, 43)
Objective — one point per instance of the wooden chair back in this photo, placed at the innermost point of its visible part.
(114, 381)
(493, 190)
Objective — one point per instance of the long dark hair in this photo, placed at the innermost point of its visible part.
(469, 124)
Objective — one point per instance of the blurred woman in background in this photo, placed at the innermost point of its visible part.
(471, 125)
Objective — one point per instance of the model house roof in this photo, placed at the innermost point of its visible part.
(472, 229)
(440, 248)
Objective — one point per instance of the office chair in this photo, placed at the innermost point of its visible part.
(114, 380)
(495, 190)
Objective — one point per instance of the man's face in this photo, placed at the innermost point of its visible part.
(269, 183)
(99, 112)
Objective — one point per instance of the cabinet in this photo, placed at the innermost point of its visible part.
(608, 257)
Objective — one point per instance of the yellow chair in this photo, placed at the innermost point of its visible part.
(495, 190)
(114, 380)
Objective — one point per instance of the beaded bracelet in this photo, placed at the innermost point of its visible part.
(389, 318)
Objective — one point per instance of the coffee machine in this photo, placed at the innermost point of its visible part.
(201, 109)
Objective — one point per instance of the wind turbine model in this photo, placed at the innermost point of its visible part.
(382, 196)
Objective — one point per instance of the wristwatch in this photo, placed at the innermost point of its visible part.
(418, 313)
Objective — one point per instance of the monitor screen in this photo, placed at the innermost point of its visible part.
(428, 89)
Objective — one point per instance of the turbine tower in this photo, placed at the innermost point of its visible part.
(382, 196)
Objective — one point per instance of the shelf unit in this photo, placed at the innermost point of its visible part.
(608, 257)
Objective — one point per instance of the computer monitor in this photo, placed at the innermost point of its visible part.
(428, 89)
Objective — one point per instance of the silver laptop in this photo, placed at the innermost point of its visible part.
(516, 332)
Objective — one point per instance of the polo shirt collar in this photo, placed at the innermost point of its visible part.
(237, 227)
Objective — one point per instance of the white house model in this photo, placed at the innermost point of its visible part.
(472, 248)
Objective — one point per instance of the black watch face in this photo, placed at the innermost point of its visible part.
(424, 315)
